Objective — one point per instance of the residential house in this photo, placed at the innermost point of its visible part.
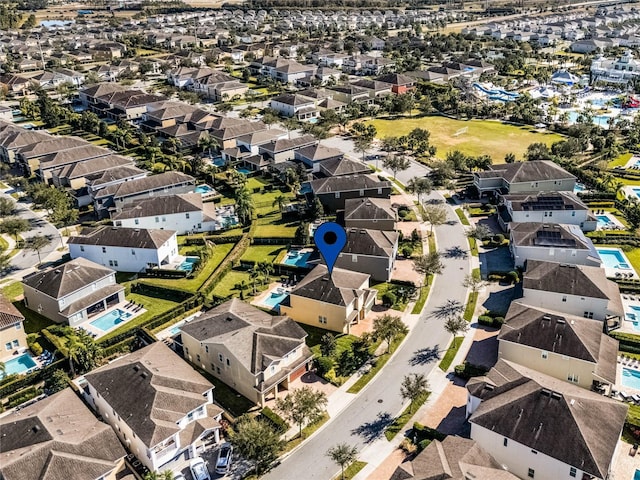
(184, 213)
(57, 160)
(58, 437)
(173, 412)
(546, 207)
(400, 84)
(28, 156)
(295, 105)
(77, 175)
(454, 458)
(540, 427)
(284, 149)
(125, 249)
(370, 213)
(551, 242)
(350, 93)
(253, 352)
(313, 155)
(12, 138)
(375, 88)
(369, 251)
(337, 167)
(99, 180)
(333, 191)
(574, 289)
(332, 302)
(73, 292)
(520, 177)
(12, 335)
(567, 347)
(119, 194)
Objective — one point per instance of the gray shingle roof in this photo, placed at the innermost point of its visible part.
(347, 183)
(57, 438)
(70, 277)
(145, 184)
(369, 209)
(166, 205)
(341, 288)
(164, 386)
(377, 243)
(122, 237)
(533, 171)
(545, 201)
(547, 235)
(542, 413)
(336, 167)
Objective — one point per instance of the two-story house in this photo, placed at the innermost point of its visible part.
(567, 347)
(12, 335)
(333, 302)
(334, 191)
(125, 249)
(157, 404)
(72, 292)
(253, 352)
(297, 106)
(546, 207)
(537, 426)
(551, 242)
(369, 251)
(313, 155)
(371, 213)
(58, 437)
(574, 289)
(521, 177)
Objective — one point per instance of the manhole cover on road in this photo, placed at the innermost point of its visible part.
(380, 400)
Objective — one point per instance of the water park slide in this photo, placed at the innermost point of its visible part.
(496, 93)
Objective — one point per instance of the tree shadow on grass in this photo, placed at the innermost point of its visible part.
(371, 431)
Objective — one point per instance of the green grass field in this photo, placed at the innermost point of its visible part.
(262, 253)
(620, 161)
(483, 136)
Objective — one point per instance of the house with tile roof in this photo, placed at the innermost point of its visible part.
(57, 438)
(125, 249)
(540, 427)
(173, 411)
(369, 251)
(73, 292)
(12, 335)
(333, 302)
(255, 353)
(567, 347)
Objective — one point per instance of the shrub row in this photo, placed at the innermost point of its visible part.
(628, 341)
(488, 321)
(149, 290)
(212, 238)
(226, 265)
(468, 370)
(600, 204)
(23, 396)
(597, 196)
(422, 432)
(276, 421)
(508, 277)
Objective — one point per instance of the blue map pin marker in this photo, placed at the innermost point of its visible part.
(330, 239)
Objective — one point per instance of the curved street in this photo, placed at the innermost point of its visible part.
(364, 419)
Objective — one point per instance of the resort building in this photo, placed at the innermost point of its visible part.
(173, 411)
(254, 353)
(537, 426)
(333, 302)
(126, 249)
(551, 241)
(58, 437)
(524, 177)
(73, 292)
(567, 347)
(622, 70)
(574, 289)
(13, 339)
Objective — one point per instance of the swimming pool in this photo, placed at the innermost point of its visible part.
(174, 330)
(18, 365)
(637, 475)
(111, 319)
(203, 189)
(274, 300)
(631, 378)
(578, 188)
(188, 264)
(244, 171)
(296, 258)
(604, 221)
(613, 259)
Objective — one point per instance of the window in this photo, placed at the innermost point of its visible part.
(111, 263)
(115, 263)
(505, 442)
(198, 357)
(572, 472)
(534, 452)
(588, 314)
(218, 370)
(564, 298)
(572, 377)
(531, 473)
(18, 326)
(82, 248)
(573, 214)
(220, 357)
(136, 221)
(186, 350)
(104, 249)
(228, 363)
(187, 215)
(545, 355)
(157, 219)
(206, 348)
(8, 346)
(354, 258)
(322, 319)
(337, 194)
(362, 193)
(164, 219)
(213, 367)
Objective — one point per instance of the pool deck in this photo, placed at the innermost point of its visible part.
(20, 351)
(615, 224)
(631, 164)
(301, 251)
(122, 306)
(259, 299)
(628, 301)
(618, 272)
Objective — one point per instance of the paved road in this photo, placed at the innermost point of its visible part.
(364, 419)
(39, 226)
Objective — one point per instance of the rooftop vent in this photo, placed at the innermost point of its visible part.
(57, 271)
(36, 428)
(144, 375)
(547, 317)
(545, 392)
(488, 387)
(561, 321)
(556, 395)
(136, 368)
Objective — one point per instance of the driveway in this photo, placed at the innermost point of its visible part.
(39, 226)
(363, 421)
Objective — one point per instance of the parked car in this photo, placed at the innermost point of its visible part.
(199, 469)
(224, 458)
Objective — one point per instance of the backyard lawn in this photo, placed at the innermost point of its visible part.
(483, 136)
(620, 161)
(11, 290)
(262, 253)
(343, 341)
(227, 286)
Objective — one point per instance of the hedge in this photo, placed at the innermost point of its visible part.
(597, 196)
(275, 420)
(22, 397)
(629, 342)
(487, 321)
(468, 370)
(422, 432)
(226, 265)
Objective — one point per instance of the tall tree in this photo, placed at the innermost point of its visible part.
(14, 226)
(207, 143)
(413, 387)
(455, 325)
(396, 163)
(37, 243)
(429, 264)
(256, 440)
(436, 215)
(473, 282)
(244, 205)
(343, 455)
(328, 345)
(388, 328)
(419, 186)
(303, 405)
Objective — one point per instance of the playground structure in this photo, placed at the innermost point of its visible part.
(498, 94)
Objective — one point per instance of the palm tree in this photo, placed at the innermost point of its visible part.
(266, 269)
(254, 273)
(244, 205)
(74, 349)
(208, 143)
(280, 201)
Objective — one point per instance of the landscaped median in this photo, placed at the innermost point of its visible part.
(376, 367)
(446, 361)
(398, 424)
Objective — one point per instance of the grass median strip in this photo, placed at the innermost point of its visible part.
(463, 218)
(306, 433)
(398, 424)
(380, 362)
(471, 306)
(351, 471)
(445, 363)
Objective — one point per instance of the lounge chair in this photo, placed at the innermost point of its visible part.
(624, 396)
(633, 450)
(635, 398)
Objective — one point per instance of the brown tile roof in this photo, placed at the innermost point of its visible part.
(9, 314)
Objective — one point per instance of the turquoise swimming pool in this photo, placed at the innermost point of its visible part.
(18, 365)
(296, 258)
(203, 189)
(109, 320)
(613, 259)
(188, 264)
(631, 378)
(274, 300)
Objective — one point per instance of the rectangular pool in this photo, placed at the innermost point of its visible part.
(203, 189)
(274, 299)
(613, 259)
(244, 171)
(636, 191)
(297, 259)
(604, 221)
(631, 378)
(18, 365)
(109, 320)
(188, 264)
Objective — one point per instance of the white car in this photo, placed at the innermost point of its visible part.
(199, 469)
(224, 458)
